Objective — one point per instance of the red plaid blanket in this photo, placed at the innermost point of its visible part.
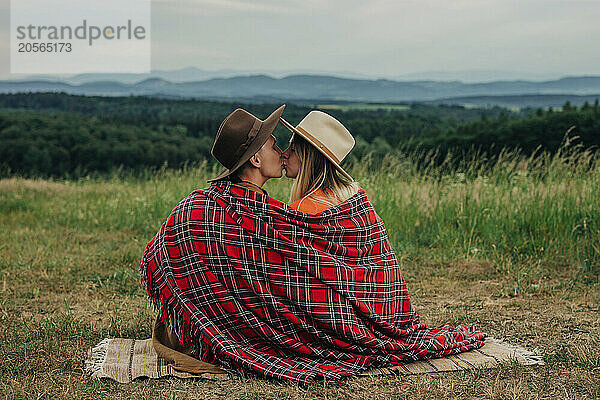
(251, 284)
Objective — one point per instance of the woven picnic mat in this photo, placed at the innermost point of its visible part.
(124, 360)
(493, 353)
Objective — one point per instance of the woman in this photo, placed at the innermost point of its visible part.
(319, 143)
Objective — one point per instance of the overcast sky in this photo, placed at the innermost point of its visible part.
(374, 38)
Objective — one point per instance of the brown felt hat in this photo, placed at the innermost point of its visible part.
(240, 136)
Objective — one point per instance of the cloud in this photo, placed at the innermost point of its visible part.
(223, 6)
(375, 37)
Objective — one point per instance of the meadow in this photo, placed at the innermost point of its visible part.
(513, 247)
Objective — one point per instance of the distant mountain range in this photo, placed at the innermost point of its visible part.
(189, 74)
(193, 74)
(321, 88)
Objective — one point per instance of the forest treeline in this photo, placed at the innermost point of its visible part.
(60, 135)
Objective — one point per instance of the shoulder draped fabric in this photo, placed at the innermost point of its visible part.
(251, 284)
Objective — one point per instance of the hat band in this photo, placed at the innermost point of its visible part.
(249, 139)
(319, 144)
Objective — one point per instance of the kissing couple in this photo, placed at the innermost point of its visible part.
(310, 291)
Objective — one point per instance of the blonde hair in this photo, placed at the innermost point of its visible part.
(318, 172)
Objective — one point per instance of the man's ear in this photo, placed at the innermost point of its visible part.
(255, 160)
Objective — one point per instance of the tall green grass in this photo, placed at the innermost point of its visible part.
(542, 209)
(527, 215)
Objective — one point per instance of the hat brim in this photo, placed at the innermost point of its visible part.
(266, 129)
(310, 140)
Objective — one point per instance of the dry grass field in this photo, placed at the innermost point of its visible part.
(514, 248)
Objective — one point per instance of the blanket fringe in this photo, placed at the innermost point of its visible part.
(94, 365)
(170, 312)
(530, 357)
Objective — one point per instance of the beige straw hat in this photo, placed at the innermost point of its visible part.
(327, 134)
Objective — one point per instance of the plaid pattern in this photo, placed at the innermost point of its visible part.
(253, 285)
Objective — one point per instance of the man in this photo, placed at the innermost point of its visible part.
(245, 146)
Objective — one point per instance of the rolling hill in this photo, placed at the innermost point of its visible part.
(331, 89)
